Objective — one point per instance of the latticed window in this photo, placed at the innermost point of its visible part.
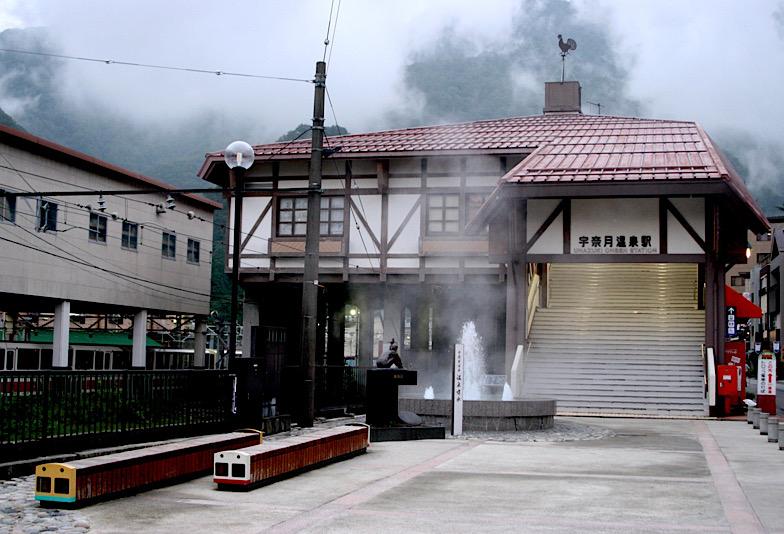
(169, 245)
(443, 214)
(97, 231)
(193, 251)
(292, 216)
(130, 235)
(332, 216)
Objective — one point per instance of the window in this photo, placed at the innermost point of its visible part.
(47, 216)
(737, 281)
(443, 214)
(97, 232)
(130, 235)
(763, 237)
(7, 208)
(762, 258)
(332, 216)
(292, 216)
(169, 245)
(193, 251)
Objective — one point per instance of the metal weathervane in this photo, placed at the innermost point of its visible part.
(565, 47)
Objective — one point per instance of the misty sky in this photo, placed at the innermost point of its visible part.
(717, 62)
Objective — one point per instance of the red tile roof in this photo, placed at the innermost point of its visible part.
(562, 148)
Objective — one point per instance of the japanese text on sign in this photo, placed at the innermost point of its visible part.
(766, 376)
(458, 392)
(615, 244)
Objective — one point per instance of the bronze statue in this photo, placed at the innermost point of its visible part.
(390, 357)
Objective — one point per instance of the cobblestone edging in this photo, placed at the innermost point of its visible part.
(561, 431)
(20, 513)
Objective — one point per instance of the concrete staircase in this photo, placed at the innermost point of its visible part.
(620, 339)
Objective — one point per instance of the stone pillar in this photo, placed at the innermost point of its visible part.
(250, 319)
(199, 342)
(62, 313)
(139, 352)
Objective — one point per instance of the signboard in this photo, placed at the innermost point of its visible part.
(757, 346)
(732, 331)
(766, 375)
(615, 226)
(458, 391)
(777, 347)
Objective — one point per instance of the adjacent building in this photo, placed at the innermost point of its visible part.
(108, 251)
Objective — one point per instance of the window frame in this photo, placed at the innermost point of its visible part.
(168, 241)
(281, 220)
(50, 209)
(125, 239)
(443, 221)
(193, 251)
(95, 233)
(7, 209)
(331, 210)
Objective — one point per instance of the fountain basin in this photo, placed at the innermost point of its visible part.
(486, 415)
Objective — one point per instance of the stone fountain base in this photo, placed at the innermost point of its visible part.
(486, 415)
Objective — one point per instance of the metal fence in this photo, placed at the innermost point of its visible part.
(46, 411)
(336, 387)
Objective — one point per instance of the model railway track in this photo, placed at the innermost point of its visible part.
(82, 482)
(255, 466)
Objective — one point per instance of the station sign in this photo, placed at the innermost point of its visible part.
(766, 376)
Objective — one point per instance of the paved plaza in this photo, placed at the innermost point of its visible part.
(613, 475)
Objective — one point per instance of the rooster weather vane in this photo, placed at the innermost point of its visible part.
(565, 47)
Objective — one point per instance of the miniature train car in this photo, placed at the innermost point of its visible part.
(80, 482)
(261, 464)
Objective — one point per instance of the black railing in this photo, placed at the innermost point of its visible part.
(46, 411)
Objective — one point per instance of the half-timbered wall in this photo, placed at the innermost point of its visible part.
(401, 216)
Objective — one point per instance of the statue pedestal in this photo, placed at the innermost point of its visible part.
(386, 423)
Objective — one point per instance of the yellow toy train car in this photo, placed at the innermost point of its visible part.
(81, 482)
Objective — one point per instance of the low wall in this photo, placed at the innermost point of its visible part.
(521, 414)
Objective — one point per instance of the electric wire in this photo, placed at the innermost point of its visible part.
(153, 66)
(334, 29)
(329, 23)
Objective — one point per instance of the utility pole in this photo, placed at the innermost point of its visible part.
(310, 278)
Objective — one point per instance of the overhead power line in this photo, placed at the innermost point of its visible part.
(152, 66)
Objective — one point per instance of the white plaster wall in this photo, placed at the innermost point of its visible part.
(442, 263)
(482, 181)
(333, 183)
(258, 242)
(678, 239)
(404, 182)
(551, 242)
(403, 263)
(292, 184)
(447, 181)
(372, 214)
(399, 206)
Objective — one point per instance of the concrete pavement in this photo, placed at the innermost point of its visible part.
(649, 476)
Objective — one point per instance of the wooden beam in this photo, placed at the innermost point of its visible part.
(614, 189)
(546, 224)
(256, 224)
(616, 258)
(567, 227)
(663, 225)
(359, 216)
(686, 226)
(406, 220)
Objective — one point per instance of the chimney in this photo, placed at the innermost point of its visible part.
(562, 97)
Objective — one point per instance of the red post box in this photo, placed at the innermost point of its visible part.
(728, 387)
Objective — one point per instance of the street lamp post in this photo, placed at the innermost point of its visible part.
(239, 157)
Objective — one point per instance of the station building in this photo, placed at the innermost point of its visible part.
(82, 277)
(598, 244)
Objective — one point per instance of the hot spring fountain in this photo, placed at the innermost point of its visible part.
(483, 409)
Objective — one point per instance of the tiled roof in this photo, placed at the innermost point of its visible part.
(560, 148)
